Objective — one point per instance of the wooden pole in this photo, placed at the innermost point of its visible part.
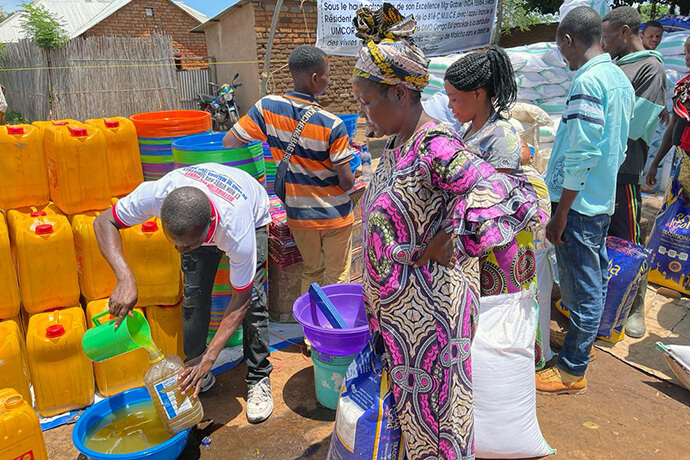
(269, 46)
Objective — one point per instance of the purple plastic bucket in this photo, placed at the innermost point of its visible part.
(349, 302)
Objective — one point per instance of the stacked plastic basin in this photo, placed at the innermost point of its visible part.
(208, 148)
(158, 130)
(220, 297)
(350, 121)
(271, 169)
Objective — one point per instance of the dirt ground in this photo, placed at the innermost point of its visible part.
(625, 414)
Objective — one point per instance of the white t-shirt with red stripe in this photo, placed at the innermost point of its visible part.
(239, 205)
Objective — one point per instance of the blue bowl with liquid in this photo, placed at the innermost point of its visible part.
(168, 450)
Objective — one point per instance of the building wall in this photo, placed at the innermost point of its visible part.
(290, 33)
(131, 21)
(233, 39)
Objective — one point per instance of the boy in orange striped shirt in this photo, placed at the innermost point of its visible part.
(319, 210)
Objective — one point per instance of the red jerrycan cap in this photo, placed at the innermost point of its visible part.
(112, 123)
(78, 132)
(44, 229)
(56, 330)
(38, 214)
(15, 130)
(59, 123)
(149, 227)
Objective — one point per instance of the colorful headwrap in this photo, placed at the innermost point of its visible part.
(389, 55)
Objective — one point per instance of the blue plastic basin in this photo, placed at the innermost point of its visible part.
(169, 450)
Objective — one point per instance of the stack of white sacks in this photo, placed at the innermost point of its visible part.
(544, 80)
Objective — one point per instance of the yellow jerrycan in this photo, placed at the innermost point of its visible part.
(166, 328)
(14, 370)
(46, 264)
(122, 372)
(61, 373)
(155, 263)
(43, 125)
(122, 146)
(77, 168)
(21, 437)
(30, 212)
(23, 173)
(9, 299)
(96, 278)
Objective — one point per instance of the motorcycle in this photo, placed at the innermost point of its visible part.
(222, 105)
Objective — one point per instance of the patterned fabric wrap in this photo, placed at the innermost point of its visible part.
(427, 316)
(389, 56)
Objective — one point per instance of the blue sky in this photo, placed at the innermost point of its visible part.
(209, 8)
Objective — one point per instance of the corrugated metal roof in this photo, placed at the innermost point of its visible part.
(73, 14)
(78, 16)
(198, 15)
(235, 4)
(117, 4)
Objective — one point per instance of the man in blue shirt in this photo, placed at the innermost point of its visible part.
(581, 177)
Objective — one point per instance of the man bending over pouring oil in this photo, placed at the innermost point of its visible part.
(206, 210)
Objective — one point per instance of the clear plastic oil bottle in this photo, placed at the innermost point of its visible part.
(177, 411)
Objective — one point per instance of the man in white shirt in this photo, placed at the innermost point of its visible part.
(3, 105)
(206, 210)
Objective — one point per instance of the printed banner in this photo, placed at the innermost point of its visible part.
(443, 26)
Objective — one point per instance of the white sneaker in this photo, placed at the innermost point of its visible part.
(207, 382)
(259, 401)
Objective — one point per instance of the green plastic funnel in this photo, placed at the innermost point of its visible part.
(103, 341)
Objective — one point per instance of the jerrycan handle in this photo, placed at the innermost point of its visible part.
(98, 316)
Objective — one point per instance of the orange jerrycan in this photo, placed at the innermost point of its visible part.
(61, 373)
(21, 437)
(14, 370)
(166, 328)
(96, 278)
(46, 264)
(122, 146)
(9, 289)
(122, 372)
(23, 174)
(155, 263)
(77, 168)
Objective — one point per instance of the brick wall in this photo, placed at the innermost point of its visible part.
(131, 21)
(291, 32)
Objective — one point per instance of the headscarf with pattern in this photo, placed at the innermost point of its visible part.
(389, 55)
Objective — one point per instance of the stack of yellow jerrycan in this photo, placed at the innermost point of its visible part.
(77, 167)
(122, 147)
(155, 263)
(166, 328)
(14, 370)
(23, 175)
(121, 372)
(21, 437)
(61, 373)
(96, 279)
(46, 264)
(9, 299)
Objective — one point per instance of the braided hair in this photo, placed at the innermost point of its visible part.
(490, 70)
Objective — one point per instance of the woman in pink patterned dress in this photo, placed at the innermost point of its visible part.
(427, 187)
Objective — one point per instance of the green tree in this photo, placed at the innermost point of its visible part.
(42, 27)
(3, 14)
(517, 14)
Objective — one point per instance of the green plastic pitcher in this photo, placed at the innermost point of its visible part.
(103, 341)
